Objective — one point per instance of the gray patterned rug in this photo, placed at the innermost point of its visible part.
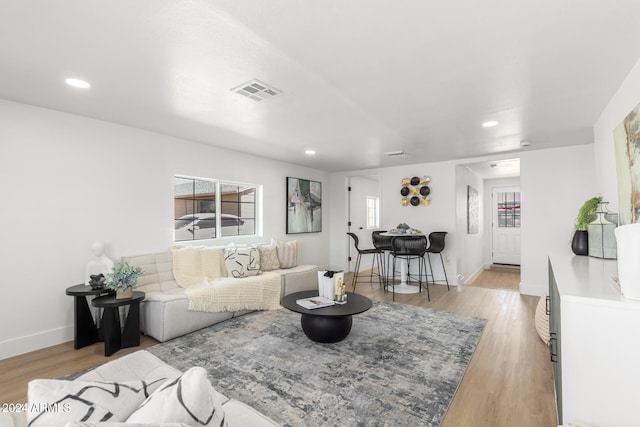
(400, 366)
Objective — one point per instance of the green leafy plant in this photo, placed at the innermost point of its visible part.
(587, 213)
(123, 276)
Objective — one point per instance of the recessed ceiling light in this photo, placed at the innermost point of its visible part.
(310, 152)
(525, 143)
(78, 83)
(490, 124)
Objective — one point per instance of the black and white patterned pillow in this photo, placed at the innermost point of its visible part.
(189, 399)
(242, 262)
(54, 403)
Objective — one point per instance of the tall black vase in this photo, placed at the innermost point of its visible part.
(580, 243)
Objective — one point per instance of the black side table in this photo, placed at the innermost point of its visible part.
(116, 338)
(85, 331)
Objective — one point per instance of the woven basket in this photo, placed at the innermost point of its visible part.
(542, 320)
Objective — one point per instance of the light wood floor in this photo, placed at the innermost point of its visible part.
(508, 279)
(508, 381)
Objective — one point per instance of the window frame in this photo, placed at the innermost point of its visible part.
(376, 214)
(218, 195)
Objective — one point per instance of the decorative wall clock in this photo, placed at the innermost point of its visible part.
(415, 191)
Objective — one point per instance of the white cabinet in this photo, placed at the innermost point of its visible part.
(597, 343)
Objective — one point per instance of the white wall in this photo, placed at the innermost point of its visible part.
(554, 184)
(68, 181)
(469, 256)
(624, 100)
(489, 185)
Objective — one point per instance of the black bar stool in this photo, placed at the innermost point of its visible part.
(376, 258)
(436, 246)
(407, 248)
(383, 243)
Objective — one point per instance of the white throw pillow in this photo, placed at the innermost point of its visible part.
(54, 403)
(242, 262)
(189, 399)
(268, 257)
(288, 254)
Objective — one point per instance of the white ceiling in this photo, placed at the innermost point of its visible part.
(359, 77)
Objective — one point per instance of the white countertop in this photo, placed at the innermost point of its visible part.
(586, 277)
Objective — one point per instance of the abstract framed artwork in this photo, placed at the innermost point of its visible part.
(626, 139)
(473, 210)
(304, 206)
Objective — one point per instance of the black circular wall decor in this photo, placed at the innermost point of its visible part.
(415, 191)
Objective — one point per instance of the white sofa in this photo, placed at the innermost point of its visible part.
(142, 365)
(164, 314)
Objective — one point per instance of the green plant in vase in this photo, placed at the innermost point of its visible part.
(123, 279)
(586, 214)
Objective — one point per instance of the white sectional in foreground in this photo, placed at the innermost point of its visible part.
(194, 403)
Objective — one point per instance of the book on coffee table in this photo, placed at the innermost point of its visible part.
(315, 302)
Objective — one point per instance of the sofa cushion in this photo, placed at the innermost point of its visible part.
(269, 257)
(85, 400)
(287, 253)
(188, 399)
(242, 262)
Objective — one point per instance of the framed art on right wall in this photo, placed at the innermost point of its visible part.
(627, 151)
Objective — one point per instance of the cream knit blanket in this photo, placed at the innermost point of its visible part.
(229, 294)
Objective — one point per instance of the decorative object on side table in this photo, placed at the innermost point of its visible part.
(586, 214)
(99, 265)
(602, 241)
(123, 279)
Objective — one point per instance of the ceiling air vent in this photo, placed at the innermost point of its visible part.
(256, 90)
(398, 153)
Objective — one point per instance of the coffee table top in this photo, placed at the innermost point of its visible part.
(356, 304)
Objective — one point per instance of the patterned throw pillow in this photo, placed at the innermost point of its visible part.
(269, 257)
(242, 262)
(189, 399)
(57, 402)
(288, 254)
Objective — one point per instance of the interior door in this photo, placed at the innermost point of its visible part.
(361, 190)
(506, 225)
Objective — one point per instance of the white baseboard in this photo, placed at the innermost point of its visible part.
(474, 275)
(27, 343)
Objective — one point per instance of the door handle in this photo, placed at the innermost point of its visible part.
(553, 355)
(547, 309)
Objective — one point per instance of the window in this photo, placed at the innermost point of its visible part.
(373, 212)
(509, 209)
(198, 201)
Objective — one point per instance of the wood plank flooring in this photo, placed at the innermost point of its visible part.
(498, 278)
(508, 381)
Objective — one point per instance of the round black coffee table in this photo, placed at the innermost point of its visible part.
(327, 324)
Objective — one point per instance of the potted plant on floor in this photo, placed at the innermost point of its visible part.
(586, 214)
(123, 279)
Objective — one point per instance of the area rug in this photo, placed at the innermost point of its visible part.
(400, 366)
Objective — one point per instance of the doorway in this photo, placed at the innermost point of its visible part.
(505, 225)
(363, 215)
